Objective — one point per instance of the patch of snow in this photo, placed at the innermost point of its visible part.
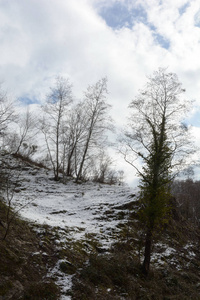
(159, 257)
(64, 281)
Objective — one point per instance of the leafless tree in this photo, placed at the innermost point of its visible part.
(102, 167)
(55, 110)
(6, 112)
(10, 181)
(27, 129)
(74, 131)
(187, 195)
(96, 118)
(22, 133)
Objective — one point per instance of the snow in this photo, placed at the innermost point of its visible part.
(76, 209)
(64, 282)
(81, 208)
(159, 258)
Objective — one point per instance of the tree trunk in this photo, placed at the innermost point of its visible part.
(81, 165)
(84, 156)
(147, 252)
(69, 171)
(57, 154)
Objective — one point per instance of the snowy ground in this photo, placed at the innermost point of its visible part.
(83, 209)
(78, 212)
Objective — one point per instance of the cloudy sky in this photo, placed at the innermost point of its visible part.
(85, 40)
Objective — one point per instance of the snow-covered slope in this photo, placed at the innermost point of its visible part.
(78, 210)
(85, 208)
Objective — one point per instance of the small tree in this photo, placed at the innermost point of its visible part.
(10, 180)
(102, 167)
(21, 139)
(27, 131)
(160, 141)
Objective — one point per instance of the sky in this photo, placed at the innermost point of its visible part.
(86, 40)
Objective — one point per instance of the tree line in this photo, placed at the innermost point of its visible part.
(73, 134)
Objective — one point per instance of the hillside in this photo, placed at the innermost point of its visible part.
(83, 241)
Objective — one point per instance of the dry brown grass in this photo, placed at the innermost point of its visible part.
(23, 267)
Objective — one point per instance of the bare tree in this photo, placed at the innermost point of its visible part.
(73, 136)
(10, 180)
(187, 194)
(21, 138)
(27, 129)
(55, 111)
(96, 118)
(102, 167)
(6, 112)
(157, 138)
